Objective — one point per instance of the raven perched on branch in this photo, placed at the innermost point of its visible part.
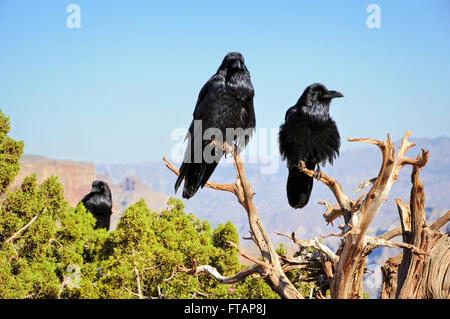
(99, 203)
(224, 113)
(310, 135)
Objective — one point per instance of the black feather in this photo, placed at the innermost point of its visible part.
(225, 101)
(99, 203)
(309, 134)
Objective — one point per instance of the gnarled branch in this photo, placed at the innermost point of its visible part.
(344, 202)
(391, 234)
(441, 221)
(212, 271)
(374, 242)
(332, 212)
(17, 233)
(315, 243)
(136, 271)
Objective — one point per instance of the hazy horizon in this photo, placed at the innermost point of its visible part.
(358, 146)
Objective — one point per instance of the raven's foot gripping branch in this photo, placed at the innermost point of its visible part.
(317, 173)
(229, 149)
(224, 148)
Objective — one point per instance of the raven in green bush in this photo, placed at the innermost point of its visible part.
(99, 203)
(224, 112)
(309, 134)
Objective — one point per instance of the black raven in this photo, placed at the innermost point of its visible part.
(309, 134)
(225, 102)
(99, 203)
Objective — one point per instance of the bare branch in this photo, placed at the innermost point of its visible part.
(441, 221)
(136, 271)
(391, 234)
(344, 202)
(374, 242)
(174, 274)
(17, 233)
(341, 235)
(419, 162)
(332, 212)
(160, 295)
(365, 184)
(315, 243)
(212, 271)
(151, 267)
(243, 254)
(133, 293)
(201, 293)
(381, 144)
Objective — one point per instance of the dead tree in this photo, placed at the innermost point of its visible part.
(345, 268)
(419, 276)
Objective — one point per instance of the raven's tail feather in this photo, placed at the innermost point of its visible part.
(195, 175)
(299, 187)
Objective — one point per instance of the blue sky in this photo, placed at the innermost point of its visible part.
(115, 89)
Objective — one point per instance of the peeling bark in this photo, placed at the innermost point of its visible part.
(422, 276)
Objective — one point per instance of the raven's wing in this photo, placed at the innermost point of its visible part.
(206, 110)
(285, 135)
(290, 112)
(86, 199)
(208, 94)
(98, 204)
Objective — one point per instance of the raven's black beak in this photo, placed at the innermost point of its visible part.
(236, 64)
(333, 94)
